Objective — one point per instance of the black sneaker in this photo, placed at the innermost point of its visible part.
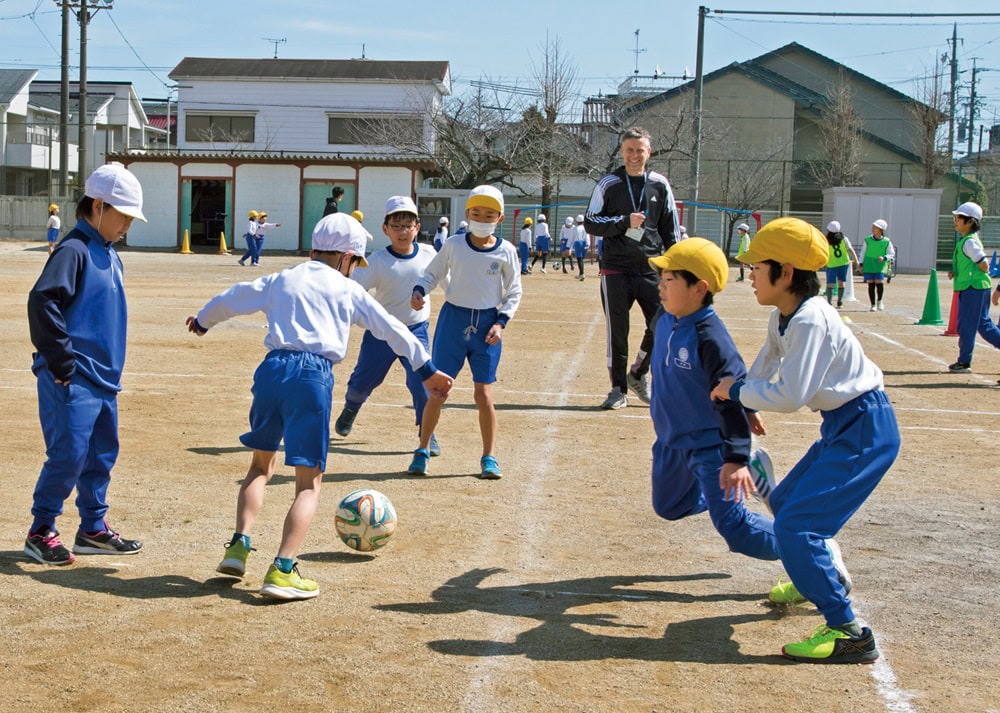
(107, 542)
(960, 367)
(44, 546)
(345, 421)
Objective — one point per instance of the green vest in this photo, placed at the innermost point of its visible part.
(839, 255)
(874, 249)
(744, 244)
(967, 273)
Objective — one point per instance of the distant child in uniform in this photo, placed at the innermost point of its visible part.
(970, 269)
(391, 274)
(52, 227)
(877, 254)
(251, 238)
(811, 358)
(441, 235)
(262, 227)
(483, 292)
(838, 267)
(310, 309)
(744, 231)
(581, 243)
(524, 243)
(565, 243)
(541, 241)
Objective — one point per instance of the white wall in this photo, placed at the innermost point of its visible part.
(375, 185)
(274, 189)
(159, 205)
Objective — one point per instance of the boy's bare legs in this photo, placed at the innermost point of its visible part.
(429, 421)
(487, 416)
(300, 515)
(251, 496)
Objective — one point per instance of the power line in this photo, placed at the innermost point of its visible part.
(125, 39)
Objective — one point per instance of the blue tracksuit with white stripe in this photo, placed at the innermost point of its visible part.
(695, 436)
(77, 318)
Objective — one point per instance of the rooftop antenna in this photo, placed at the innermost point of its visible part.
(363, 50)
(637, 52)
(275, 41)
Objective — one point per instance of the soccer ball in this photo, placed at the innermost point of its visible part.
(365, 520)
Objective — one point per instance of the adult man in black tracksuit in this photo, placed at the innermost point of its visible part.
(634, 210)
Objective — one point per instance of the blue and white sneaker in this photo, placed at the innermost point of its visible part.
(762, 471)
(434, 448)
(418, 466)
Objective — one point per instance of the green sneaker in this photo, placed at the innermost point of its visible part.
(278, 585)
(786, 593)
(235, 562)
(828, 645)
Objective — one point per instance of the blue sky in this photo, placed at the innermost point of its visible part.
(598, 37)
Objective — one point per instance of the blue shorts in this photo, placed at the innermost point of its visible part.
(580, 249)
(292, 396)
(541, 244)
(52, 234)
(460, 334)
(836, 274)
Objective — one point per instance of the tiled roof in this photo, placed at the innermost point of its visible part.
(331, 69)
(12, 81)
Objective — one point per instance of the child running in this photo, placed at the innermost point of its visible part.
(310, 309)
(970, 270)
(251, 239)
(482, 295)
(810, 358)
(391, 274)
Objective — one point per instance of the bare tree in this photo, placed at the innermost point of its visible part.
(929, 112)
(841, 158)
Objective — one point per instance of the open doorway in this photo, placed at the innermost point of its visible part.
(208, 213)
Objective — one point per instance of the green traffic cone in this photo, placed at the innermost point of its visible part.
(932, 303)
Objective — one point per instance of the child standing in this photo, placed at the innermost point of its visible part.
(744, 232)
(702, 449)
(541, 241)
(391, 274)
(310, 309)
(810, 358)
(838, 267)
(581, 243)
(877, 254)
(524, 245)
(482, 295)
(251, 238)
(52, 227)
(565, 243)
(970, 271)
(262, 227)
(441, 235)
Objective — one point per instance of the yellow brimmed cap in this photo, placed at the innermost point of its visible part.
(486, 196)
(789, 240)
(702, 258)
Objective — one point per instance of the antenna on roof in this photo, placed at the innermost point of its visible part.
(275, 42)
(637, 52)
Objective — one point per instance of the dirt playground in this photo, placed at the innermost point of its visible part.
(554, 589)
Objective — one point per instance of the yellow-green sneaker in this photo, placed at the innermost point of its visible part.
(279, 585)
(828, 645)
(235, 562)
(785, 593)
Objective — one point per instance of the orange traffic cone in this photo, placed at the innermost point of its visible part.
(186, 245)
(952, 330)
(223, 250)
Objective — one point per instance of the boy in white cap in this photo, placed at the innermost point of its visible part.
(877, 253)
(482, 295)
(970, 270)
(838, 267)
(811, 358)
(744, 231)
(441, 235)
(390, 276)
(541, 241)
(581, 243)
(77, 319)
(565, 243)
(310, 309)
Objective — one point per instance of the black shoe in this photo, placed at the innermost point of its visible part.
(345, 421)
(45, 547)
(960, 367)
(107, 542)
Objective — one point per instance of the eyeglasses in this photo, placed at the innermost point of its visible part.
(399, 227)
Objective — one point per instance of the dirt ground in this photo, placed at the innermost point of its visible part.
(554, 589)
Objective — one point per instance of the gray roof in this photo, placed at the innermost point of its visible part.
(51, 100)
(12, 81)
(331, 69)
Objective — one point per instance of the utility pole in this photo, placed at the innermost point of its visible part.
(951, 95)
(699, 81)
(972, 105)
(84, 15)
(64, 106)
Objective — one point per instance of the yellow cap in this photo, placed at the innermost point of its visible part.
(789, 240)
(702, 258)
(357, 215)
(252, 214)
(53, 207)
(528, 221)
(486, 196)
(262, 214)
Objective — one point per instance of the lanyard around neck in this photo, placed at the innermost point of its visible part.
(636, 205)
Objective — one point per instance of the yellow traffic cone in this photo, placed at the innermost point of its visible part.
(223, 250)
(186, 245)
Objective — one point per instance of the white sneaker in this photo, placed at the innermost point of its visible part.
(838, 562)
(881, 306)
(616, 400)
(872, 309)
(762, 471)
(543, 271)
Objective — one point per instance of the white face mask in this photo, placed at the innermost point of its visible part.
(481, 230)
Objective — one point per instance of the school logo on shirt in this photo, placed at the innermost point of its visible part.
(681, 360)
(494, 268)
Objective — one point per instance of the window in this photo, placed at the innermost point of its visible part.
(219, 128)
(377, 129)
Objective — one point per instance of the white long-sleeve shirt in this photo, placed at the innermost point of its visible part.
(528, 237)
(478, 278)
(310, 308)
(816, 361)
(252, 227)
(392, 277)
(580, 235)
